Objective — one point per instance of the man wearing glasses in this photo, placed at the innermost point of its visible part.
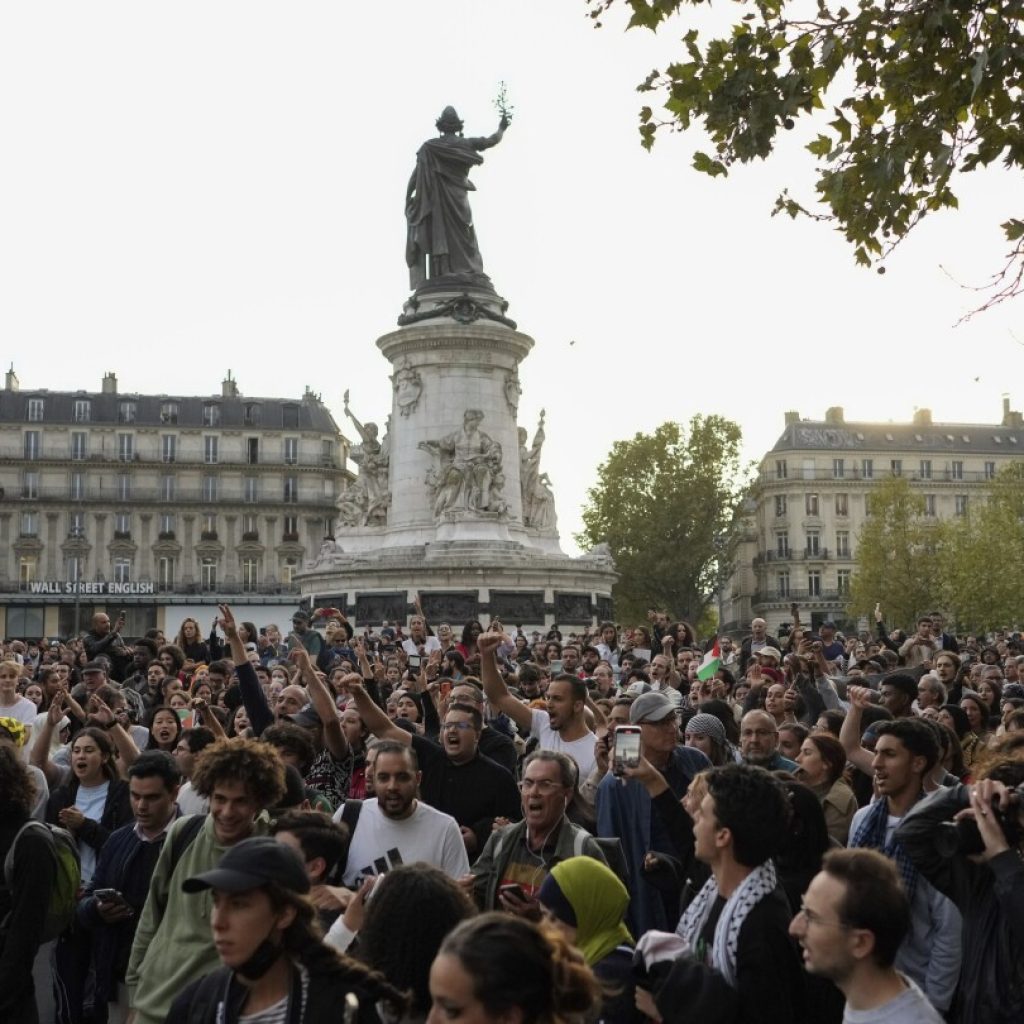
(457, 778)
(517, 858)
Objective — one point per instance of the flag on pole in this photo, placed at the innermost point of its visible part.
(712, 662)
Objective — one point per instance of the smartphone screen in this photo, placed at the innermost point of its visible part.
(626, 751)
(415, 661)
(555, 666)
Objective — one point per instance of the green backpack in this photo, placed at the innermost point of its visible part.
(60, 910)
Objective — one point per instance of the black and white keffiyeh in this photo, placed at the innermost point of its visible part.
(758, 884)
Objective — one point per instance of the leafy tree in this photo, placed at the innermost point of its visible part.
(912, 92)
(984, 557)
(898, 565)
(664, 503)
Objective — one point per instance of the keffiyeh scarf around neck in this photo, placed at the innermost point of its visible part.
(758, 884)
(871, 834)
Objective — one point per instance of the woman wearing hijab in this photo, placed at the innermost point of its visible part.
(587, 902)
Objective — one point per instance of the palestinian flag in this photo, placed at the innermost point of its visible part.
(712, 662)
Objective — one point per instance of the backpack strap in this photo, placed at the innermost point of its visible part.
(183, 838)
(350, 811)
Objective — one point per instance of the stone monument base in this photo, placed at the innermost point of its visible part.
(462, 580)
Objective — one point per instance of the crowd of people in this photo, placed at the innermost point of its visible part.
(421, 822)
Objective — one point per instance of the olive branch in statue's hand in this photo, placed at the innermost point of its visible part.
(502, 105)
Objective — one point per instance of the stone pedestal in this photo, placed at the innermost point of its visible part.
(455, 529)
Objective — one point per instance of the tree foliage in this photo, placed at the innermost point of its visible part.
(984, 558)
(664, 503)
(897, 564)
(909, 92)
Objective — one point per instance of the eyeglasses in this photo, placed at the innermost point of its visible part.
(458, 725)
(543, 786)
(816, 919)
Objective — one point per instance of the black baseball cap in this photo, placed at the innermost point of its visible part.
(251, 864)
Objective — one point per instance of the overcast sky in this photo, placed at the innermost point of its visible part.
(193, 187)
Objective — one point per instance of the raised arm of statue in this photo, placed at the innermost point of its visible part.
(490, 140)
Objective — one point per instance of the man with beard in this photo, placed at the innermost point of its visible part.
(104, 639)
(395, 828)
(457, 778)
(759, 742)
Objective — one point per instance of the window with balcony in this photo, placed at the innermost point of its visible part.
(210, 522)
(211, 414)
(209, 488)
(813, 543)
(27, 570)
(326, 453)
(867, 469)
(122, 570)
(168, 447)
(896, 467)
(990, 471)
(122, 525)
(780, 504)
(125, 412)
(165, 573)
(843, 582)
(929, 504)
(843, 543)
(30, 485)
(208, 574)
(33, 444)
(956, 470)
(211, 448)
(125, 447)
(291, 451)
(291, 529)
(167, 487)
(169, 412)
(252, 451)
(291, 489)
(76, 525)
(35, 410)
(79, 445)
(250, 574)
(811, 505)
(82, 410)
(74, 568)
(782, 584)
(780, 469)
(842, 504)
(29, 524)
(250, 527)
(782, 544)
(814, 583)
(926, 469)
(960, 505)
(839, 468)
(167, 526)
(289, 568)
(251, 489)
(124, 486)
(77, 488)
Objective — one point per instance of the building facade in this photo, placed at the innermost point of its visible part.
(798, 536)
(159, 505)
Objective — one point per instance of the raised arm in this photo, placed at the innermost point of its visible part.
(494, 686)
(40, 755)
(323, 703)
(849, 734)
(375, 720)
(253, 697)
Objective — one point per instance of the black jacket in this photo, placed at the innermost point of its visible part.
(745, 654)
(991, 899)
(218, 998)
(117, 811)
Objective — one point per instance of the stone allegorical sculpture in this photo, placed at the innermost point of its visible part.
(468, 476)
(538, 499)
(365, 502)
(441, 239)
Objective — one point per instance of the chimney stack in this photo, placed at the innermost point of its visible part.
(792, 417)
(834, 415)
(11, 380)
(109, 383)
(922, 417)
(229, 387)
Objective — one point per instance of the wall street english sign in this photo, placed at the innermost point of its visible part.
(94, 588)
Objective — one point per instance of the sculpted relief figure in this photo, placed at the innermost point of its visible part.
(408, 388)
(468, 475)
(441, 238)
(538, 499)
(365, 502)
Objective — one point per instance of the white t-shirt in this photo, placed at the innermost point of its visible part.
(190, 802)
(24, 711)
(379, 843)
(430, 644)
(581, 750)
(910, 1007)
(90, 800)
